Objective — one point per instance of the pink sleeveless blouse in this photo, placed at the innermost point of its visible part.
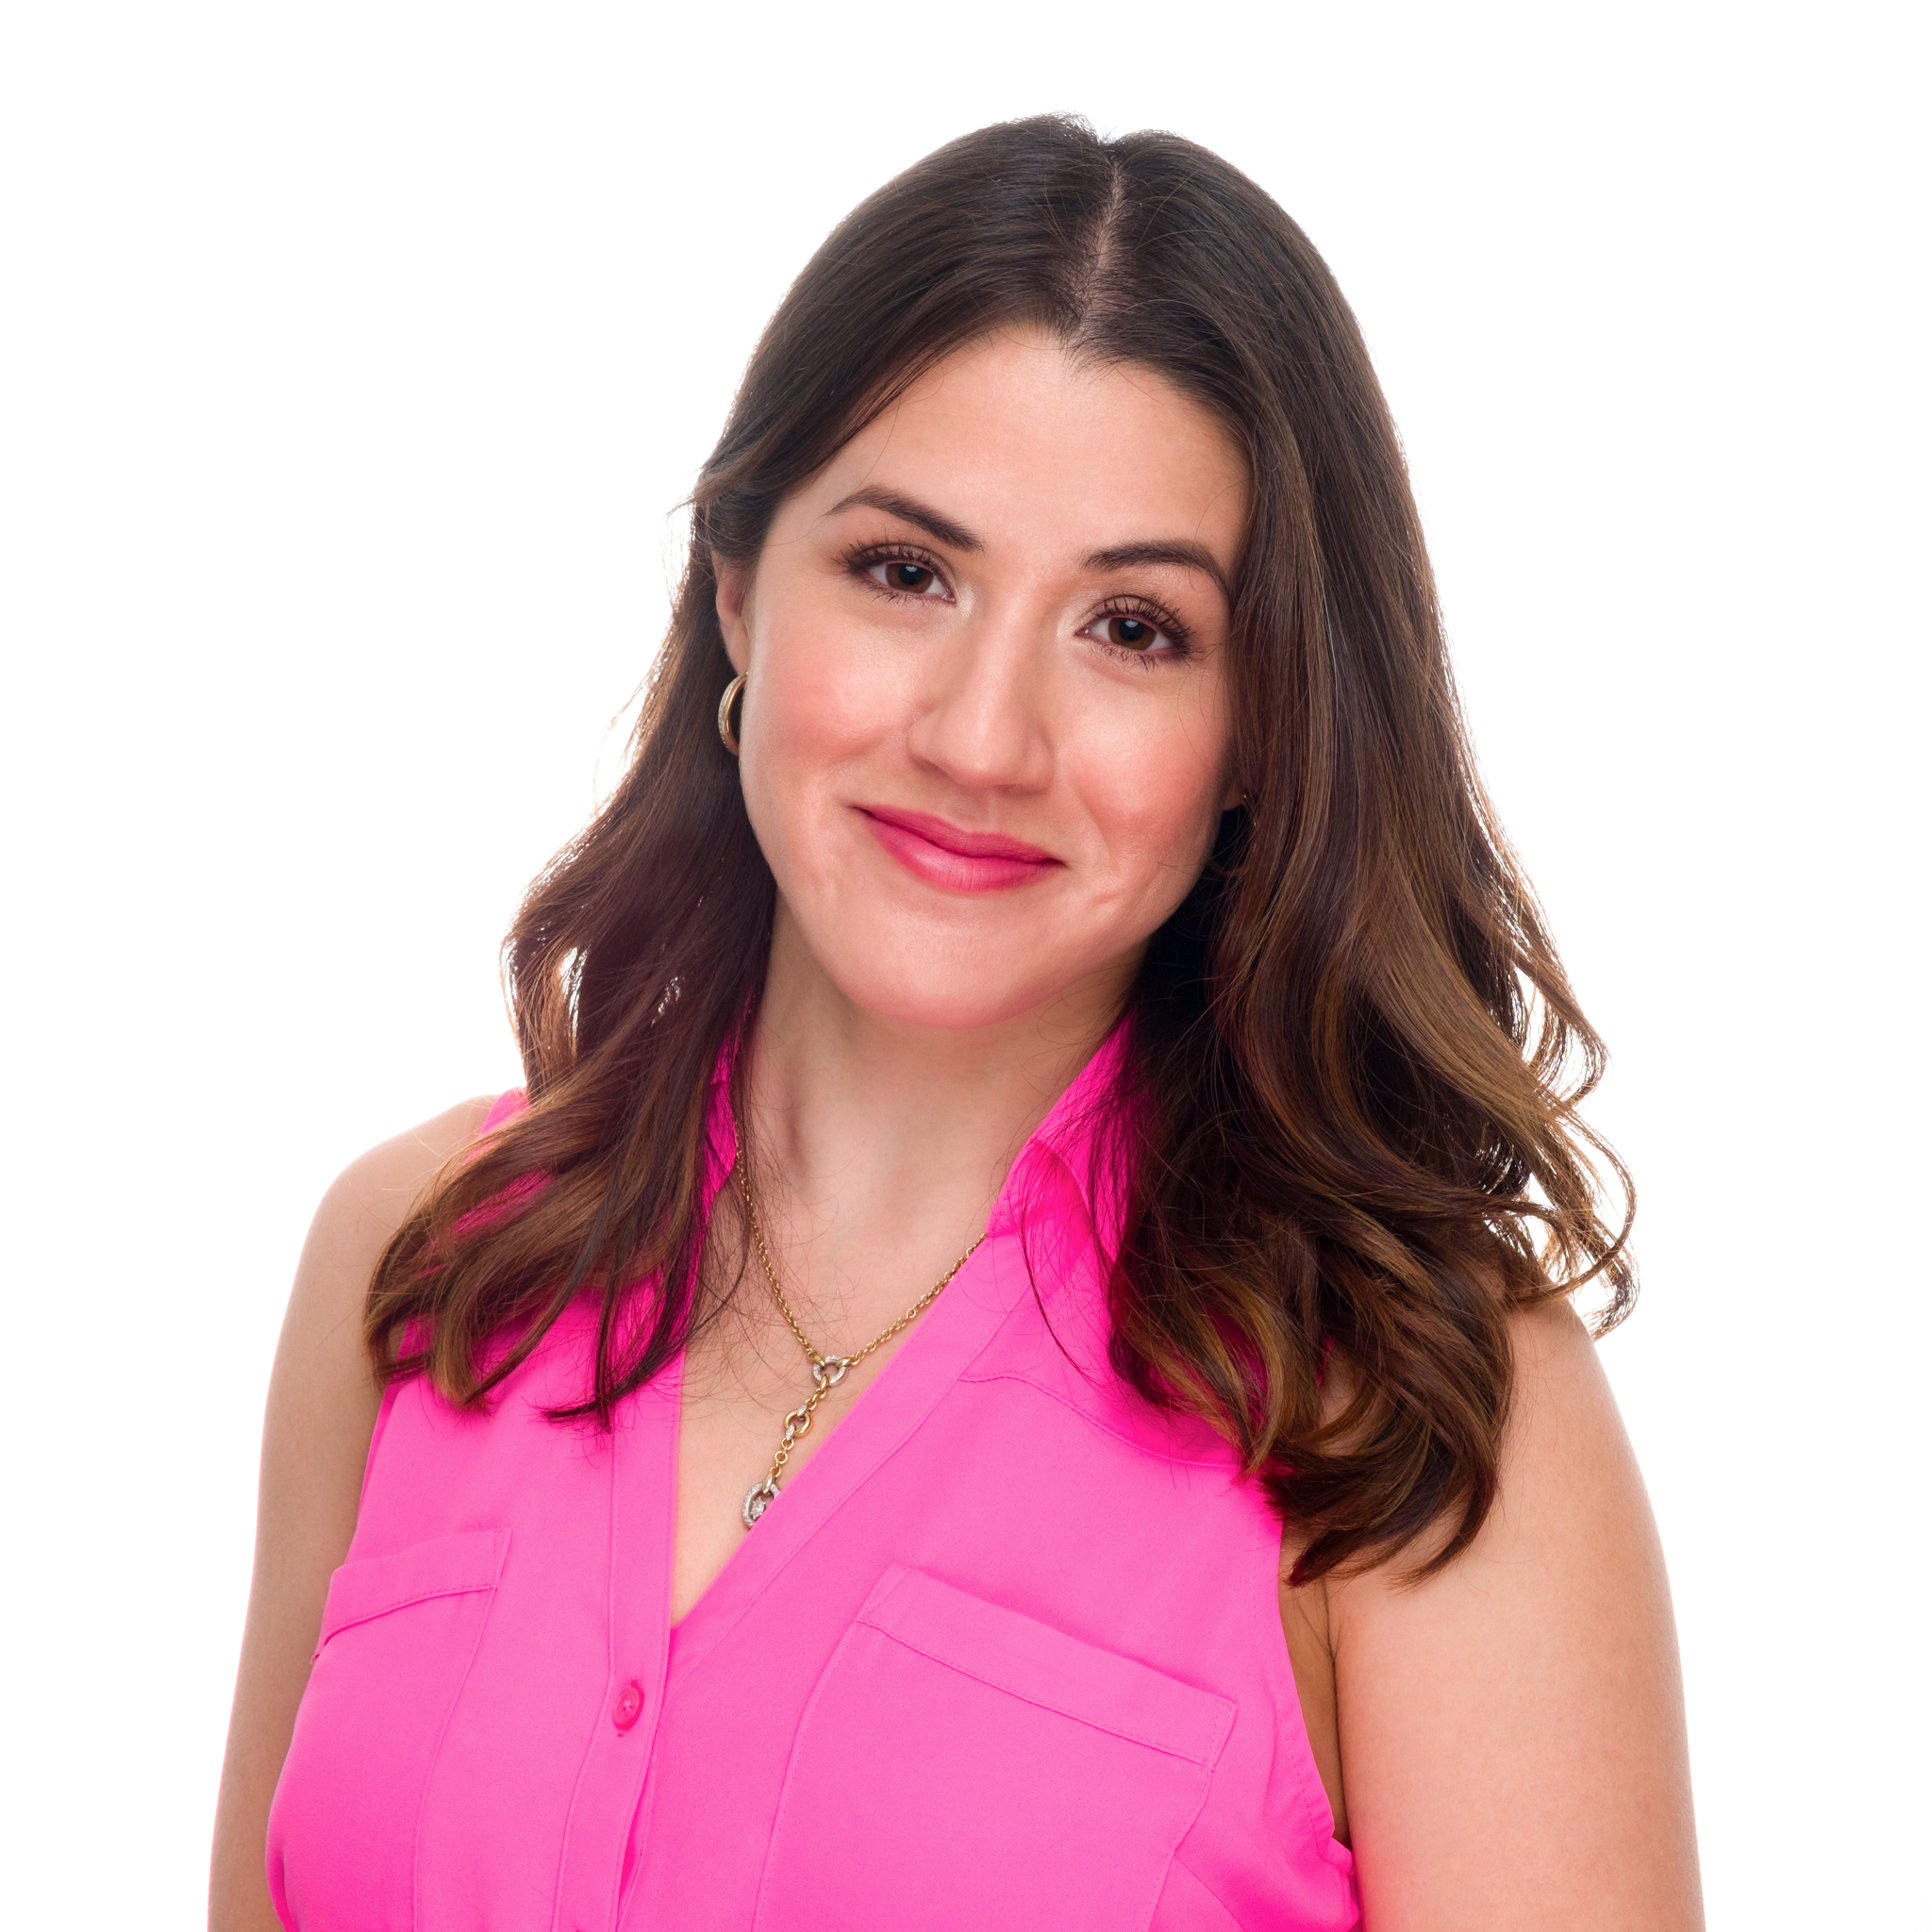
(1004, 1652)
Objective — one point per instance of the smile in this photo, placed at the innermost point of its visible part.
(952, 858)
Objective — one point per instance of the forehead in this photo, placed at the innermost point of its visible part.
(1029, 444)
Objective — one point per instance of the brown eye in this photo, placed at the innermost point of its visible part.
(1134, 633)
(902, 573)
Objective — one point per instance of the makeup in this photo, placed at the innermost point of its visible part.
(952, 858)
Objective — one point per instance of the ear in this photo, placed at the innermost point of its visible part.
(734, 599)
(1236, 795)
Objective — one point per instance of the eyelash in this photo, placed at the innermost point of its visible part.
(864, 560)
(1163, 620)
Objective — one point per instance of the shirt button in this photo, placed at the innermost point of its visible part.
(630, 1701)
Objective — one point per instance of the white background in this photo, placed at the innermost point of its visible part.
(352, 362)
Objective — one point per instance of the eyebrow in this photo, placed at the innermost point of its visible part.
(1176, 551)
(942, 529)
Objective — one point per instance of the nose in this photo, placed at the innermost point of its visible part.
(983, 719)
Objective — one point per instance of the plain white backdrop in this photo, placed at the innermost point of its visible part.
(352, 361)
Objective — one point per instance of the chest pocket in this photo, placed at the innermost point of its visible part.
(398, 1633)
(963, 1765)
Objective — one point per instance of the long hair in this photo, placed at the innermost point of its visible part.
(1354, 1055)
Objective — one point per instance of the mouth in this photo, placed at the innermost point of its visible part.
(954, 858)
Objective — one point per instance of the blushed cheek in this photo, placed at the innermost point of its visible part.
(821, 721)
(1160, 831)
(831, 700)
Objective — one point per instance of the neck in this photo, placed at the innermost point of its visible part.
(860, 1124)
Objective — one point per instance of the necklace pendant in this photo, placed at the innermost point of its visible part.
(758, 1499)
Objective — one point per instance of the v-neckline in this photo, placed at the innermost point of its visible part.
(932, 1358)
(926, 1365)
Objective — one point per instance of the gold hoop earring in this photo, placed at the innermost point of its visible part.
(724, 704)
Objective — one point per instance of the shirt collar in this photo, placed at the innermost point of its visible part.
(1078, 1144)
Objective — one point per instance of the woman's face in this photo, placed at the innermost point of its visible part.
(985, 736)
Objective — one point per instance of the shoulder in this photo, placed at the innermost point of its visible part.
(1570, 1482)
(1511, 1726)
(366, 1204)
(322, 1403)
(1556, 1362)
(323, 1394)
(1567, 1478)
(371, 1196)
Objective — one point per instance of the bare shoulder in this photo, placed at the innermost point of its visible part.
(322, 1388)
(369, 1199)
(1512, 1732)
(1559, 1386)
(1567, 1472)
(322, 1403)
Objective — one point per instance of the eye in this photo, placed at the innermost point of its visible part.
(1136, 633)
(1139, 632)
(905, 576)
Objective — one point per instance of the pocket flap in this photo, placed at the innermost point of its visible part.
(1030, 1660)
(444, 1566)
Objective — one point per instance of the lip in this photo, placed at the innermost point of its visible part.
(948, 856)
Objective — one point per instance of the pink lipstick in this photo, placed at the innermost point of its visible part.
(950, 857)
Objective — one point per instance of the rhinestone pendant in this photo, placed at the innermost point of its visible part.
(758, 1499)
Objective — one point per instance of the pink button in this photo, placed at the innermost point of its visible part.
(623, 1713)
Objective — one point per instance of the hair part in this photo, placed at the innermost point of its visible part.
(1355, 1059)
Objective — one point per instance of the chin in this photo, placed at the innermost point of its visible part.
(955, 994)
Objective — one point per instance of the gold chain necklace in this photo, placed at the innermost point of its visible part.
(828, 1371)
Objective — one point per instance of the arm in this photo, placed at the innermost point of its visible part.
(322, 1407)
(1512, 1731)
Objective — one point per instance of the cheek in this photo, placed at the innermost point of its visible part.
(829, 710)
(822, 700)
(1155, 803)
(826, 694)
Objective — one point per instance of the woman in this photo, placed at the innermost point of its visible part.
(1013, 1366)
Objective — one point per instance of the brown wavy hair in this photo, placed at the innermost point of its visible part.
(1354, 1055)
